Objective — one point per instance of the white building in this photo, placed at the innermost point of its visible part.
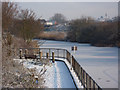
(49, 23)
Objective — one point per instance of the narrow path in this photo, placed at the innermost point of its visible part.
(61, 77)
(57, 74)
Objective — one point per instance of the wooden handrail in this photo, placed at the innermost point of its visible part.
(83, 76)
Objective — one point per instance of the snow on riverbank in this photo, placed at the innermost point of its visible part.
(56, 74)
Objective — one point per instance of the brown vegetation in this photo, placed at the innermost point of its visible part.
(53, 35)
(14, 75)
(87, 30)
(18, 29)
(9, 11)
(20, 23)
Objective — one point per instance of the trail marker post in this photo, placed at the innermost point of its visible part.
(74, 48)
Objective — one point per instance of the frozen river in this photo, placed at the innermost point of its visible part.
(100, 62)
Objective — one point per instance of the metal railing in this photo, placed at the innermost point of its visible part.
(84, 77)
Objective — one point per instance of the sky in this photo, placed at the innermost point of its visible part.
(72, 10)
(65, 0)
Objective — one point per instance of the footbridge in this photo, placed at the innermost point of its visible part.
(59, 54)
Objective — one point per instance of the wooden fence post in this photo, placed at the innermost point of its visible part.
(87, 80)
(53, 57)
(20, 53)
(40, 55)
(47, 55)
(71, 61)
(26, 51)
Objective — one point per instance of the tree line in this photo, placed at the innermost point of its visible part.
(87, 30)
(20, 23)
(25, 24)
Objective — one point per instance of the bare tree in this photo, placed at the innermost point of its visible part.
(22, 23)
(9, 11)
(28, 25)
(26, 18)
(59, 18)
(27, 14)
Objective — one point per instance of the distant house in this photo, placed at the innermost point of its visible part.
(104, 19)
(49, 23)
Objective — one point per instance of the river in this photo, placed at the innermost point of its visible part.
(100, 62)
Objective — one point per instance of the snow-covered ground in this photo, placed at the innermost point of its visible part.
(100, 62)
(57, 74)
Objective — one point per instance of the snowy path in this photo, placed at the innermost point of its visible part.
(58, 76)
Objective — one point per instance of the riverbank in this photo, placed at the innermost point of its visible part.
(14, 75)
(62, 36)
(53, 35)
(96, 45)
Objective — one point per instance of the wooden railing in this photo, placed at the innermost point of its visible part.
(84, 77)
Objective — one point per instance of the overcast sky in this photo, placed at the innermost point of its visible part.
(72, 10)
